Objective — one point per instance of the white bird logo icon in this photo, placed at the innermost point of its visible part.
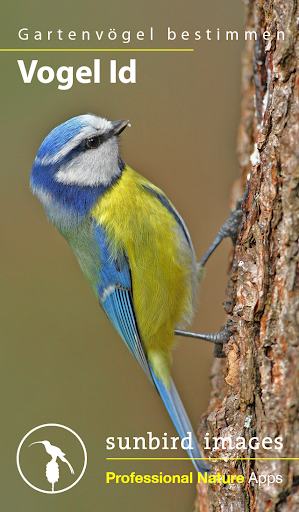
(52, 468)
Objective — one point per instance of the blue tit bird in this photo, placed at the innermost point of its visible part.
(131, 243)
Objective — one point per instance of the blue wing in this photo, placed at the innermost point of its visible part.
(115, 295)
(116, 298)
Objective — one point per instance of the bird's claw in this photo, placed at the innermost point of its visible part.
(221, 338)
(231, 227)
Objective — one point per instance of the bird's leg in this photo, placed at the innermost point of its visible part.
(218, 338)
(230, 228)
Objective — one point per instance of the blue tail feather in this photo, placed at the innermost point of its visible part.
(181, 422)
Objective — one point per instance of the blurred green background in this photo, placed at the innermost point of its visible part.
(61, 360)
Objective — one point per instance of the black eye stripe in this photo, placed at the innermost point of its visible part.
(95, 142)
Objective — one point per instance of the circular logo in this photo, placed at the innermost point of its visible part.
(51, 458)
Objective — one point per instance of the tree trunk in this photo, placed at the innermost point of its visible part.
(255, 390)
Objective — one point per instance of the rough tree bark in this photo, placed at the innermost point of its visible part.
(255, 391)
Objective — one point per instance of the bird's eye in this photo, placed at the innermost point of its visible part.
(93, 142)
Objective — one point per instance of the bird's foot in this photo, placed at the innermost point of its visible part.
(231, 226)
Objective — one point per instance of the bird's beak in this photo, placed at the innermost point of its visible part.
(34, 443)
(119, 126)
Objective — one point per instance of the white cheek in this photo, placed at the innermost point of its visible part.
(93, 167)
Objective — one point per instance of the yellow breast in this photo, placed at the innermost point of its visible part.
(161, 261)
